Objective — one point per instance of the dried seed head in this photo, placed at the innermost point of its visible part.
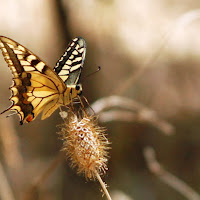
(85, 145)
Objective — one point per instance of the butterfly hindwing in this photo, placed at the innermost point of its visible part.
(35, 85)
(70, 64)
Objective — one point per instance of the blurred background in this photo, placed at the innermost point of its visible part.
(149, 52)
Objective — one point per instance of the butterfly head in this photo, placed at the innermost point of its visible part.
(72, 92)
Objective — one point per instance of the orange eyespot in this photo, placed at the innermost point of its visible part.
(25, 101)
(24, 95)
(29, 118)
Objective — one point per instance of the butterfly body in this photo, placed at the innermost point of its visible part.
(36, 87)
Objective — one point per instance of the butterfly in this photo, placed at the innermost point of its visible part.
(36, 87)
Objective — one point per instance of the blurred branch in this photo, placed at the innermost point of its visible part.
(138, 112)
(10, 145)
(12, 154)
(127, 116)
(186, 19)
(33, 191)
(52, 166)
(128, 82)
(168, 178)
(62, 19)
(180, 23)
(5, 190)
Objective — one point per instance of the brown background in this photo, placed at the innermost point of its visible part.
(156, 45)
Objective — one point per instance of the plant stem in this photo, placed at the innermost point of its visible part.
(103, 185)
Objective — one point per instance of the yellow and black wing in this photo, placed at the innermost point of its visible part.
(70, 64)
(36, 87)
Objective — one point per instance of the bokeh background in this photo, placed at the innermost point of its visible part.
(149, 52)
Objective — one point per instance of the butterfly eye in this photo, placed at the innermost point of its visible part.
(78, 87)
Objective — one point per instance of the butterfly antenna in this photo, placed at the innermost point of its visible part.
(99, 68)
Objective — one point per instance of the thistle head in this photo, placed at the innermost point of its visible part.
(85, 144)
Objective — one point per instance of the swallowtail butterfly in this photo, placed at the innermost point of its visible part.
(36, 87)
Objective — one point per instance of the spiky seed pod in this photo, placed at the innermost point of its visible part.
(85, 145)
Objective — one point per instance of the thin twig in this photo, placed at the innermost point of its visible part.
(167, 177)
(139, 112)
(136, 75)
(103, 185)
(5, 189)
(62, 18)
(32, 192)
(53, 165)
(181, 22)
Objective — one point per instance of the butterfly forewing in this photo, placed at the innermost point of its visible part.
(70, 64)
(35, 85)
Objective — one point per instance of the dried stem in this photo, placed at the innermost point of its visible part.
(139, 112)
(5, 190)
(103, 185)
(167, 177)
